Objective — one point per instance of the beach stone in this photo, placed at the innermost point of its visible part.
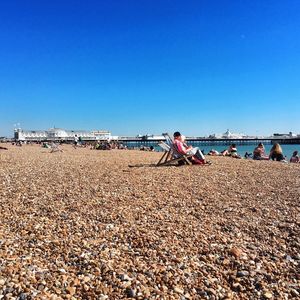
(125, 277)
(236, 252)
(295, 293)
(131, 293)
(242, 273)
(71, 290)
(268, 295)
(178, 290)
(22, 296)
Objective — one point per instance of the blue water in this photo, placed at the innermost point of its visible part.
(242, 149)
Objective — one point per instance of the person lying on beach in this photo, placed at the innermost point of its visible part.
(276, 153)
(3, 148)
(197, 158)
(259, 153)
(231, 151)
(295, 157)
(213, 152)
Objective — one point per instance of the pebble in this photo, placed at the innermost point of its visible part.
(131, 293)
(268, 295)
(22, 296)
(125, 277)
(295, 293)
(236, 252)
(178, 290)
(242, 273)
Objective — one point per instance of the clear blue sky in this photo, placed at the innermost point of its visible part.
(150, 66)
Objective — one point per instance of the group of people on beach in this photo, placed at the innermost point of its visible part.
(259, 153)
(276, 154)
(106, 145)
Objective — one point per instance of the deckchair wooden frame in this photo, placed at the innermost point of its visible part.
(171, 154)
(54, 148)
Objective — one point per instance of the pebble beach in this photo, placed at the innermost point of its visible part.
(87, 224)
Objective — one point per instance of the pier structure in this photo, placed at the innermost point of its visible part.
(59, 134)
(138, 142)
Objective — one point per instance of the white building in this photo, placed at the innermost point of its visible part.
(284, 135)
(102, 135)
(60, 134)
(227, 135)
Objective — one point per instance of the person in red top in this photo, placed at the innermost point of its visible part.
(197, 158)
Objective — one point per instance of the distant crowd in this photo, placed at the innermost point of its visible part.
(107, 145)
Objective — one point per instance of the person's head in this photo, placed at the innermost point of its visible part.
(295, 153)
(176, 135)
(276, 148)
(233, 145)
(260, 145)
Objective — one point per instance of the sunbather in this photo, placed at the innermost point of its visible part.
(231, 151)
(259, 152)
(295, 157)
(197, 158)
(276, 153)
(213, 152)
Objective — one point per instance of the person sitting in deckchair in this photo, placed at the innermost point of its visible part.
(197, 158)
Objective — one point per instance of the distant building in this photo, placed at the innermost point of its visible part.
(60, 134)
(30, 135)
(102, 134)
(284, 135)
(151, 137)
(227, 135)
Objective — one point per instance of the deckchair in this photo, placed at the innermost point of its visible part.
(171, 154)
(54, 148)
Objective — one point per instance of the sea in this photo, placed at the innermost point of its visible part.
(242, 149)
